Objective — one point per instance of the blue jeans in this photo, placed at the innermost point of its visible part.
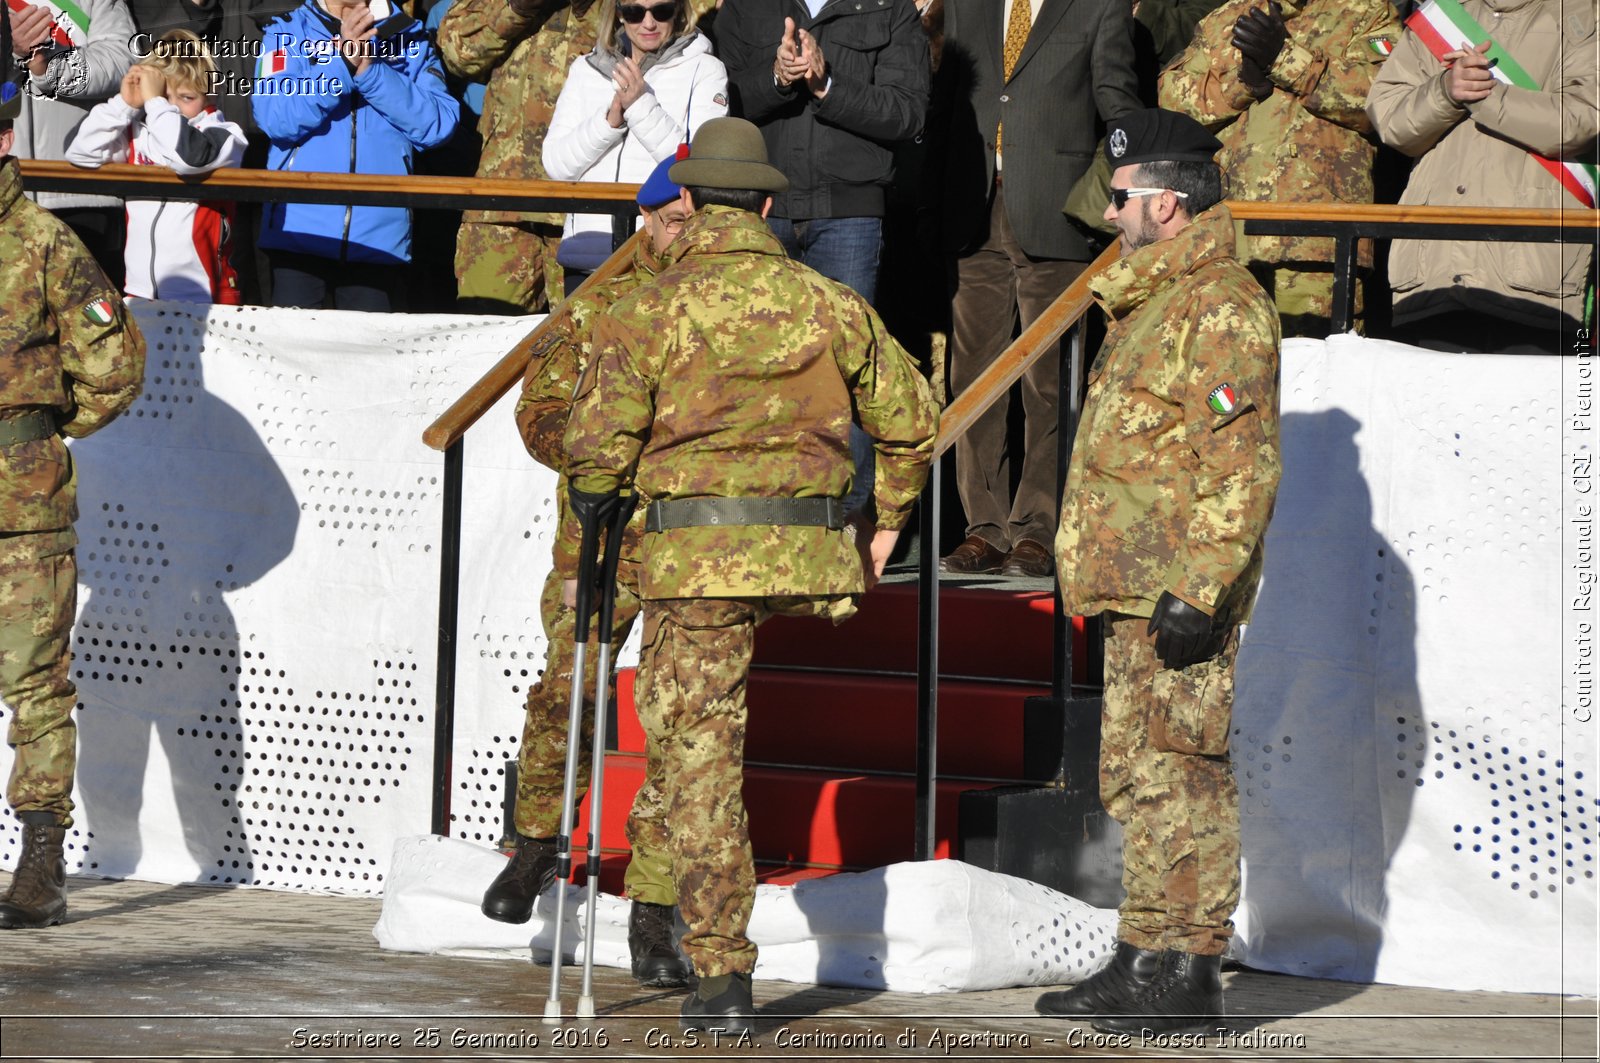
(844, 250)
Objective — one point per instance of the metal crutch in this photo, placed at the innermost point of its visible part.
(591, 520)
(597, 768)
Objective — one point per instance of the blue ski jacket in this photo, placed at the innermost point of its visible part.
(323, 117)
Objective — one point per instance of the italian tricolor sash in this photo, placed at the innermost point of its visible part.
(71, 29)
(1444, 26)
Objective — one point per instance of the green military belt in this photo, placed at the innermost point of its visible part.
(26, 426)
(711, 512)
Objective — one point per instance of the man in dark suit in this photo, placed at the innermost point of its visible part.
(1022, 92)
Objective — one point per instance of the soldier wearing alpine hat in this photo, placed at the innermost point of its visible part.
(723, 394)
(1173, 476)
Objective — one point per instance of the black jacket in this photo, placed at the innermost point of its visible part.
(838, 152)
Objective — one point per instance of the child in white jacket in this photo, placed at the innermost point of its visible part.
(176, 249)
(648, 85)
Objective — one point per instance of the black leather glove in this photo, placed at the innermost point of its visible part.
(1260, 35)
(527, 8)
(1184, 634)
(1254, 78)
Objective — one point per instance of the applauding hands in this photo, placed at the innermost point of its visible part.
(800, 59)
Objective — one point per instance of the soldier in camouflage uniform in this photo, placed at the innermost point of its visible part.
(1285, 89)
(542, 414)
(1172, 481)
(506, 260)
(74, 360)
(722, 393)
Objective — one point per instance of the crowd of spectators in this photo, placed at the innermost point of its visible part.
(942, 155)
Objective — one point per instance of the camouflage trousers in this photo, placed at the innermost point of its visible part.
(38, 599)
(511, 267)
(693, 668)
(542, 757)
(1166, 777)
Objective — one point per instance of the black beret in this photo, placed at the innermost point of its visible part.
(1158, 135)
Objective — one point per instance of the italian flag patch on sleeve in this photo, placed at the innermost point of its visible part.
(272, 63)
(1222, 399)
(100, 312)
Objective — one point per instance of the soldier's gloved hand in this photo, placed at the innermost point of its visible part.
(1259, 35)
(527, 8)
(1254, 78)
(1183, 633)
(592, 510)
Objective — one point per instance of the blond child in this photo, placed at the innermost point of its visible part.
(163, 116)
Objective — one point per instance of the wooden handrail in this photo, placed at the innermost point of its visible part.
(451, 425)
(965, 409)
(289, 182)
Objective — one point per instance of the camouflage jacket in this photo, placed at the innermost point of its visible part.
(1175, 465)
(524, 61)
(547, 386)
(732, 376)
(1309, 141)
(69, 347)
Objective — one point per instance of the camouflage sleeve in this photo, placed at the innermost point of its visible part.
(547, 386)
(1171, 24)
(1230, 413)
(1334, 87)
(1203, 82)
(896, 408)
(477, 35)
(612, 410)
(101, 348)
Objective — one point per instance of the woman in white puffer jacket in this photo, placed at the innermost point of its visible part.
(648, 85)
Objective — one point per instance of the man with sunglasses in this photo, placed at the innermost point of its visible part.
(1174, 472)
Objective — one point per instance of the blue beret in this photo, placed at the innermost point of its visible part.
(658, 189)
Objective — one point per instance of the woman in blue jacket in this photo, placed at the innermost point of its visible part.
(346, 86)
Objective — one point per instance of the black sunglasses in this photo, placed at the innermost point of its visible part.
(633, 14)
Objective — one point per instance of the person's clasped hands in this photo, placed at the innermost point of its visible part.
(1259, 35)
(630, 83)
(357, 30)
(800, 59)
(141, 84)
(1468, 77)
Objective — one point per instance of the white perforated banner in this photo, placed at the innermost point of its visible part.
(1418, 801)
(256, 649)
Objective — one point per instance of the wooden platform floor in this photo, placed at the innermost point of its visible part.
(152, 972)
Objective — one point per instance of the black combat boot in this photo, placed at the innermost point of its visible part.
(652, 946)
(722, 1002)
(1185, 995)
(529, 873)
(38, 893)
(1109, 991)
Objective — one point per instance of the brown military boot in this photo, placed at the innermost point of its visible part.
(531, 869)
(38, 894)
(652, 946)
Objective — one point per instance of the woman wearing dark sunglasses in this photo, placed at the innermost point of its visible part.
(647, 86)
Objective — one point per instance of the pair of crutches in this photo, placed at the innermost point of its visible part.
(610, 514)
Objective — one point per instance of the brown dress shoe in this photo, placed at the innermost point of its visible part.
(1028, 558)
(974, 555)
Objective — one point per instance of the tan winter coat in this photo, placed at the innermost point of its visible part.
(1477, 156)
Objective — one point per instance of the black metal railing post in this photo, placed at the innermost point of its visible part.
(927, 666)
(444, 719)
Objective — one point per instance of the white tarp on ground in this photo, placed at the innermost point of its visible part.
(935, 927)
(257, 636)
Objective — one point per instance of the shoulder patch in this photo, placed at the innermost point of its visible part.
(1222, 399)
(720, 100)
(100, 312)
(1382, 46)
